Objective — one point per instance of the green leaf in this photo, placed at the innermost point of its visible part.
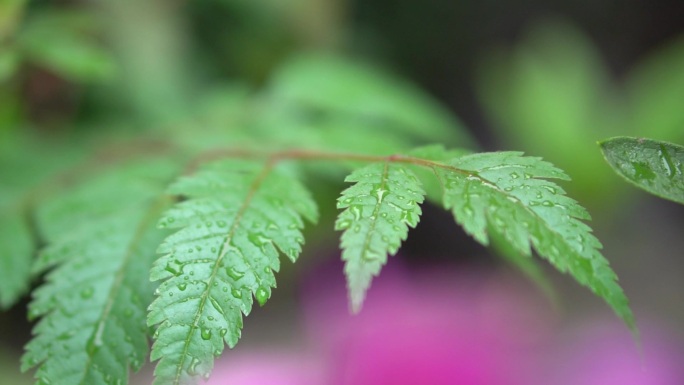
(651, 165)
(237, 216)
(25, 167)
(101, 242)
(379, 208)
(655, 90)
(511, 195)
(549, 95)
(16, 247)
(352, 89)
(63, 42)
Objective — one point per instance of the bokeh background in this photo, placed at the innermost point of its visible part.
(547, 77)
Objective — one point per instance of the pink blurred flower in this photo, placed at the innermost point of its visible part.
(605, 354)
(268, 367)
(435, 329)
(448, 328)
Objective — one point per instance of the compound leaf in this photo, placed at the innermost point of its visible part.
(237, 216)
(508, 193)
(101, 241)
(379, 208)
(651, 165)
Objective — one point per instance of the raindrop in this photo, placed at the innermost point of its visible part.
(223, 332)
(221, 224)
(262, 295)
(87, 293)
(666, 161)
(174, 267)
(182, 286)
(216, 305)
(237, 293)
(234, 273)
(355, 211)
(192, 369)
(515, 175)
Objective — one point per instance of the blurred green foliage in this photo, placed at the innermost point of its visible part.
(553, 95)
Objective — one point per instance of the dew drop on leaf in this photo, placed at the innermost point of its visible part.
(237, 293)
(262, 295)
(234, 273)
(205, 333)
(182, 286)
(87, 293)
(216, 305)
(192, 369)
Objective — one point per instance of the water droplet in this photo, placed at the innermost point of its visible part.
(292, 253)
(515, 175)
(237, 293)
(547, 203)
(666, 161)
(223, 332)
(87, 293)
(356, 212)
(174, 267)
(213, 249)
(343, 224)
(262, 295)
(216, 305)
(170, 219)
(192, 369)
(234, 273)
(221, 223)
(182, 286)
(258, 240)
(380, 193)
(205, 333)
(550, 189)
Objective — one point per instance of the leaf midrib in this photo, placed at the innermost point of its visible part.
(254, 187)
